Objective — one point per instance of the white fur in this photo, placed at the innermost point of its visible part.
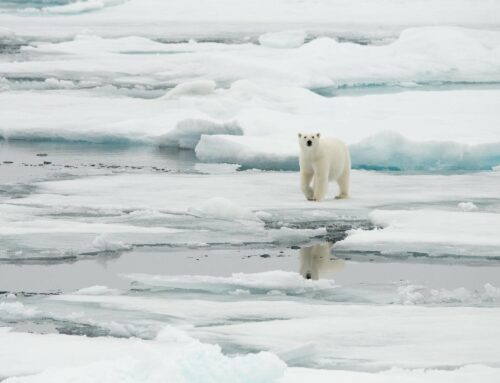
(327, 159)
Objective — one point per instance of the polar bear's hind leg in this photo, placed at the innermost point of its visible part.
(343, 183)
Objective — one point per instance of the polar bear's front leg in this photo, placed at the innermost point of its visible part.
(320, 183)
(305, 183)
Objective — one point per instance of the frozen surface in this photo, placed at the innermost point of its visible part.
(181, 19)
(419, 56)
(176, 356)
(152, 227)
(249, 313)
(385, 131)
(431, 231)
(172, 356)
(238, 103)
(113, 213)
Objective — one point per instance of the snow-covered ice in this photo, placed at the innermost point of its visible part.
(432, 231)
(254, 127)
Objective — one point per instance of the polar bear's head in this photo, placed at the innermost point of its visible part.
(308, 141)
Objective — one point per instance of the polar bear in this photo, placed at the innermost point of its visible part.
(323, 160)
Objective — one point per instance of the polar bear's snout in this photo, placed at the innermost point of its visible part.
(309, 142)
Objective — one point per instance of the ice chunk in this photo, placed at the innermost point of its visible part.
(260, 152)
(491, 291)
(96, 290)
(7, 34)
(103, 243)
(467, 206)
(283, 39)
(192, 88)
(169, 334)
(417, 294)
(16, 310)
(187, 133)
(414, 294)
(392, 151)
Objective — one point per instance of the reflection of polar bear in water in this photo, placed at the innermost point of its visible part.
(323, 160)
(317, 259)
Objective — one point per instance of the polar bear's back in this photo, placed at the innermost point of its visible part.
(338, 154)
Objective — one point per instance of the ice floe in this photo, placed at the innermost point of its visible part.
(183, 19)
(140, 209)
(325, 334)
(427, 231)
(172, 356)
(245, 125)
(287, 282)
(425, 55)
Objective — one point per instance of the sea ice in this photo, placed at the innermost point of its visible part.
(435, 232)
(361, 19)
(407, 336)
(141, 209)
(384, 131)
(171, 357)
(286, 282)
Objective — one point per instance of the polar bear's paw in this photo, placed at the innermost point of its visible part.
(308, 193)
(342, 196)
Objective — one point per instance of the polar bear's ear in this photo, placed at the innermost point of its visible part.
(300, 135)
(318, 135)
